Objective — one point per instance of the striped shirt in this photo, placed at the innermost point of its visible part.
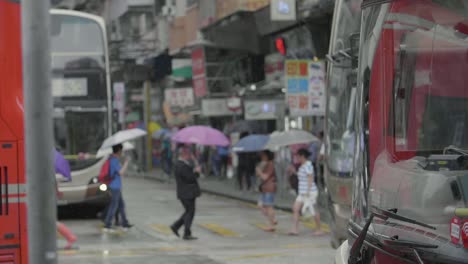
(305, 170)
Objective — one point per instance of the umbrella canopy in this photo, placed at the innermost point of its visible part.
(291, 137)
(153, 126)
(107, 151)
(201, 135)
(252, 143)
(62, 166)
(123, 136)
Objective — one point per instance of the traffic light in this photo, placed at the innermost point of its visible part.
(281, 45)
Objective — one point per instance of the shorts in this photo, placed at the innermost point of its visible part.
(302, 198)
(268, 199)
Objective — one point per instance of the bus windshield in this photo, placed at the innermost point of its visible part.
(430, 96)
(79, 86)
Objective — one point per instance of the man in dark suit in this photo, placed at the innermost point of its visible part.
(186, 175)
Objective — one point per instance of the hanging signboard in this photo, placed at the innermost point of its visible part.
(179, 97)
(305, 82)
(282, 10)
(119, 100)
(199, 72)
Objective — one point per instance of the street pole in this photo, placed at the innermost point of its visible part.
(40, 177)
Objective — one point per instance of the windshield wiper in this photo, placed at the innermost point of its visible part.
(391, 213)
(355, 255)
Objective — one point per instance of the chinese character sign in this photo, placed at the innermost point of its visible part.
(182, 97)
(119, 100)
(305, 83)
(198, 70)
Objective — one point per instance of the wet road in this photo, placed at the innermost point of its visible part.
(229, 231)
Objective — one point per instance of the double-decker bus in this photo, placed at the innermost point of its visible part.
(410, 199)
(82, 100)
(13, 232)
(341, 94)
(82, 121)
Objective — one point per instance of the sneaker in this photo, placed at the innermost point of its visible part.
(126, 227)
(108, 230)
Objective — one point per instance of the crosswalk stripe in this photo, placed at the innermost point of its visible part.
(215, 228)
(312, 225)
(163, 229)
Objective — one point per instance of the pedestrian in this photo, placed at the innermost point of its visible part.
(266, 172)
(223, 153)
(116, 171)
(63, 230)
(188, 190)
(314, 150)
(62, 170)
(166, 156)
(308, 192)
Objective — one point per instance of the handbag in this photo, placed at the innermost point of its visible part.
(294, 182)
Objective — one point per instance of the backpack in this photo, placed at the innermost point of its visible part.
(104, 174)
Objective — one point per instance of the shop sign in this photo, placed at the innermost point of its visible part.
(263, 110)
(283, 10)
(119, 100)
(218, 107)
(179, 97)
(305, 87)
(274, 67)
(199, 72)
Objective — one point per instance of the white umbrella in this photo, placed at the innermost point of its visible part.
(108, 151)
(123, 136)
(291, 137)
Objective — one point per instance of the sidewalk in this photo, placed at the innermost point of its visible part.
(228, 188)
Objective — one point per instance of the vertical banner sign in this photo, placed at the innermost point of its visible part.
(305, 88)
(199, 72)
(317, 98)
(119, 100)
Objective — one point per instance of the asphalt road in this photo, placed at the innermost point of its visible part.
(229, 231)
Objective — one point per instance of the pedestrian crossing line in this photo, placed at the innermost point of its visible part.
(162, 229)
(312, 225)
(217, 229)
(255, 256)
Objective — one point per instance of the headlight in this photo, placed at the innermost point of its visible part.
(103, 187)
(93, 180)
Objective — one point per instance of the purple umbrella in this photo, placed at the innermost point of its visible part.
(201, 135)
(62, 166)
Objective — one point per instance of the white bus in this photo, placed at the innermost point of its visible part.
(82, 101)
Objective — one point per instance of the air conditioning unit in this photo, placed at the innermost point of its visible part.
(168, 11)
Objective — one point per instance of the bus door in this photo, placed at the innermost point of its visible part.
(11, 192)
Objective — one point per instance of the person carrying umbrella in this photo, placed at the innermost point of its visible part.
(188, 190)
(115, 186)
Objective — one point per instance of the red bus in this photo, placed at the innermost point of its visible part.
(410, 170)
(13, 235)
